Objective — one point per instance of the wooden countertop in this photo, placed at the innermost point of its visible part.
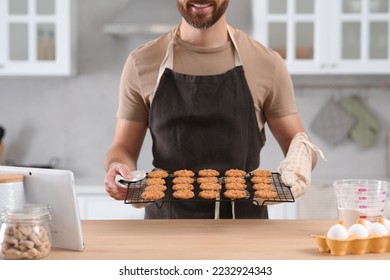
(203, 240)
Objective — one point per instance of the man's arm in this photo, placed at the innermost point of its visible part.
(123, 154)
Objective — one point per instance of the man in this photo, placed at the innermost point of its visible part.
(205, 91)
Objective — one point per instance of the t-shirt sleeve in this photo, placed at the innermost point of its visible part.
(281, 99)
(131, 104)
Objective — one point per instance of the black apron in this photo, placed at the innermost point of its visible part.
(199, 122)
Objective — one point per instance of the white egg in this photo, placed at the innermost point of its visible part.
(386, 222)
(337, 231)
(358, 231)
(377, 229)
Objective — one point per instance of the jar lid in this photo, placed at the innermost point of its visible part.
(10, 178)
(27, 214)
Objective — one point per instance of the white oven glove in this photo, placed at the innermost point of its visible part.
(295, 169)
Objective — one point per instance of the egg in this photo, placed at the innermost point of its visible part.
(338, 232)
(377, 229)
(358, 231)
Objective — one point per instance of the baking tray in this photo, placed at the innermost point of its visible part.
(284, 194)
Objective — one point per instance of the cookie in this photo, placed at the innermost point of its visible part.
(152, 195)
(234, 194)
(156, 187)
(179, 187)
(210, 186)
(234, 180)
(208, 173)
(159, 173)
(208, 194)
(183, 194)
(261, 173)
(184, 173)
(202, 180)
(264, 180)
(183, 180)
(155, 181)
(235, 186)
(235, 173)
(262, 186)
(266, 194)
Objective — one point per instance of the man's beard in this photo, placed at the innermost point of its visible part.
(202, 20)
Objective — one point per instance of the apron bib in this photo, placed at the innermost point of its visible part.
(199, 122)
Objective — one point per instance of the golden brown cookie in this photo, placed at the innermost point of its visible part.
(184, 173)
(183, 180)
(266, 194)
(235, 186)
(183, 194)
(262, 186)
(159, 173)
(261, 173)
(235, 173)
(209, 194)
(264, 180)
(235, 194)
(202, 180)
(152, 195)
(234, 180)
(208, 173)
(179, 187)
(155, 181)
(155, 188)
(210, 186)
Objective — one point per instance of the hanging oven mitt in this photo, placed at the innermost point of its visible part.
(295, 169)
(366, 130)
(332, 123)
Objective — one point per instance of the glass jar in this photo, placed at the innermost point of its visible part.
(11, 190)
(25, 232)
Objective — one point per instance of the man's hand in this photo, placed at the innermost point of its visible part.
(295, 169)
(113, 190)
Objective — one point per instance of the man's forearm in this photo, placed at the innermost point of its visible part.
(119, 155)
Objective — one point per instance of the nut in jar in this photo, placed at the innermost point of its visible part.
(25, 233)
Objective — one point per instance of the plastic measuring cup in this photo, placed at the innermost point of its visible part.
(360, 199)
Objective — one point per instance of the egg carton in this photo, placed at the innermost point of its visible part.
(356, 246)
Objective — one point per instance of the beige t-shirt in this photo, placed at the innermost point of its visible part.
(265, 71)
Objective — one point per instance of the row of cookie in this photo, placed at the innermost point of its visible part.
(209, 184)
(155, 188)
(262, 184)
(159, 173)
(235, 184)
(183, 187)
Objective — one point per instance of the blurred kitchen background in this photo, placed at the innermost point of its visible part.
(61, 61)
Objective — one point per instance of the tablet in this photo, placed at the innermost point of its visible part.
(55, 188)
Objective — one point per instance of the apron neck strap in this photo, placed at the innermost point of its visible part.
(237, 57)
(168, 59)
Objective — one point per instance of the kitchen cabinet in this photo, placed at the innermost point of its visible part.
(326, 37)
(95, 204)
(37, 38)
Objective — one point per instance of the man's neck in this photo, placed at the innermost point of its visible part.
(213, 37)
